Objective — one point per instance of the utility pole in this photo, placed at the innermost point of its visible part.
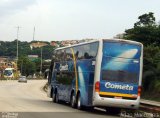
(17, 48)
(33, 33)
(41, 62)
(17, 40)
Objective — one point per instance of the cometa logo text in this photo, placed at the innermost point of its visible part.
(118, 86)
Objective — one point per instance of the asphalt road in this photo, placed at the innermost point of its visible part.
(28, 100)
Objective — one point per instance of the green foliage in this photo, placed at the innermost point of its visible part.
(145, 30)
(10, 49)
(26, 66)
(37, 63)
(146, 20)
(147, 35)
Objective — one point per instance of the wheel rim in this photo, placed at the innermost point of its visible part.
(79, 102)
(56, 97)
(73, 101)
(53, 97)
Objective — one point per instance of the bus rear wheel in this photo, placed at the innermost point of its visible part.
(53, 97)
(57, 97)
(79, 104)
(72, 101)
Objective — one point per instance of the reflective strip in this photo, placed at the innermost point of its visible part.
(75, 69)
(118, 94)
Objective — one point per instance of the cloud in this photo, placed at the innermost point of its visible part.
(9, 7)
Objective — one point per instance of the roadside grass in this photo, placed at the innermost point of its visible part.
(45, 87)
(8, 79)
(151, 96)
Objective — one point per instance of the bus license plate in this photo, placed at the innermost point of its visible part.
(118, 97)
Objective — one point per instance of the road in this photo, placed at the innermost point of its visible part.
(28, 100)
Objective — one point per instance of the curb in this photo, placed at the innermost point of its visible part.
(148, 108)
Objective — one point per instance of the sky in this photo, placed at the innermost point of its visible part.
(71, 19)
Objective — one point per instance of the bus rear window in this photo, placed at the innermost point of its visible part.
(121, 50)
(120, 76)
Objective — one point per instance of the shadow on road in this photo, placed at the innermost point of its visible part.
(95, 111)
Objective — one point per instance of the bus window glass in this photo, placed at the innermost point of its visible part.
(76, 51)
(61, 55)
(86, 51)
(125, 50)
(58, 55)
(69, 56)
(120, 62)
(81, 52)
(93, 49)
(120, 76)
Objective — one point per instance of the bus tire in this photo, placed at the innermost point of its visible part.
(57, 97)
(113, 111)
(79, 104)
(54, 97)
(73, 101)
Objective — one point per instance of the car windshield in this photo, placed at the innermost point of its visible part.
(7, 72)
(23, 77)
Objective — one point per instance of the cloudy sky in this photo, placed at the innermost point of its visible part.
(70, 19)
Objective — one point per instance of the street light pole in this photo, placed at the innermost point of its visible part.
(17, 40)
(41, 61)
(33, 33)
(17, 49)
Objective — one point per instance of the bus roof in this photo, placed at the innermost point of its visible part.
(114, 40)
(76, 44)
(123, 40)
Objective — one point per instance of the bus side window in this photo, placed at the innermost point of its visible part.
(81, 52)
(93, 49)
(57, 56)
(61, 56)
(64, 55)
(86, 55)
(69, 56)
(76, 52)
(86, 51)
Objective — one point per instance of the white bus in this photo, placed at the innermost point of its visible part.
(102, 73)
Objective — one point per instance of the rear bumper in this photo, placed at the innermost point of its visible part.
(112, 102)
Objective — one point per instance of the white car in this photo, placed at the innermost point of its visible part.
(22, 79)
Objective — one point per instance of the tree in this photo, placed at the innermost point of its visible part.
(145, 30)
(146, 20)
(10, 49)
(26, 66)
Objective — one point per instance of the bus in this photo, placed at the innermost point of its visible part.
(9, 73)
(102, 73)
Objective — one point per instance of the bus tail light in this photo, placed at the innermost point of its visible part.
(97, 86)
(139, 90)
